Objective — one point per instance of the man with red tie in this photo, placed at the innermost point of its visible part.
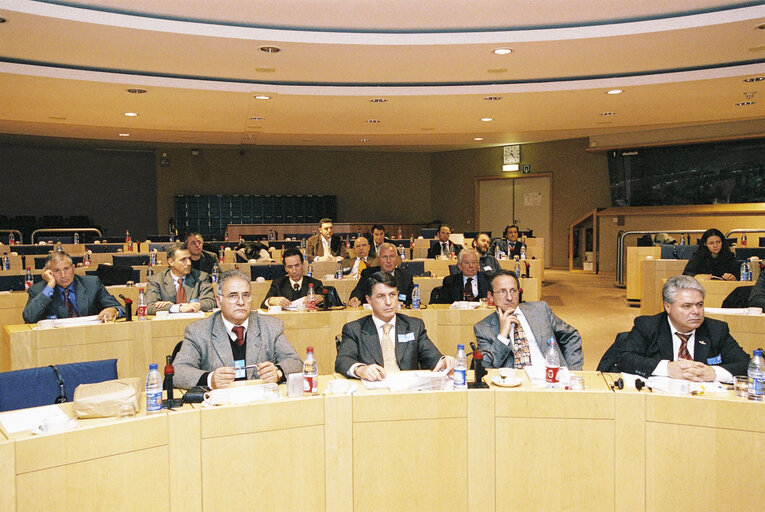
(681, 343)
(179, 288)
(294, 285)
(216, 350)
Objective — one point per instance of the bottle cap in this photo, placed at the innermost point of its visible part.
(460, 346)
(309, 350)
(153, 366)
(758, 352)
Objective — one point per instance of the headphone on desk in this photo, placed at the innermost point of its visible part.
(61, 395)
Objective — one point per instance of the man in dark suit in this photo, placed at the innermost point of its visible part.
(63, 294)
(200, 259)
(516, 335)
(442, 246)
(468, 284)
(163, 290)
(509, 244)
(388, 259)
(486, 262)
(680, 342)
(355, 265)
(386, 342)
(325, 246)
(294, 285)
(215, 350)
(376, 239)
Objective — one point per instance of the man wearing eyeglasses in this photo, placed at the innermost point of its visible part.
(516, 335)
(216, 350)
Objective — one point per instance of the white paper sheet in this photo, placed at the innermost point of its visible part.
(27, 419)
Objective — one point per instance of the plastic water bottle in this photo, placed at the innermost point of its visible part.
(140, 310)
(215, 273)
(552, 363)
(339, 270)
(59, 247)
(460, 368)
(497, 253)
(86, 260)
(746, 272)
(76, 238)
(517, 267)
(28, 279)
(270, 235)
(302, 244)
(523, 251)
(221, 255)
(310, 373)
(399, 233)
(128, 239)
(756, 374)
(416, 297)
(310, 299)
(225, 236)
(153, 390)
(6, 262)
(150, 270)
(310, 270)
(11, 239)
(401, 252)
(682, 239)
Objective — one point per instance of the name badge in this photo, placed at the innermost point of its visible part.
(403, 338)
(714, 360)
(487, 268)
(239, 371)
(402, 297)
(193, 300)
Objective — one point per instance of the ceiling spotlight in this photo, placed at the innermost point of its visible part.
(745, 103)
(373, 121)
(487, 119)
(502, 51)
(270, 49)
(493, 98)
(378, 100)
(754, 79)
(477, 138)
(615, 91)
(130, 114)
(124, 135)
(136, 91)
(607, 113)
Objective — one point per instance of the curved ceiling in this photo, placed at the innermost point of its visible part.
(65, 68)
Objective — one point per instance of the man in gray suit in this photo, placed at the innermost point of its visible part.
(516, 335)
(216, 350)
(386, 342)
(63, 294)
(163, 292)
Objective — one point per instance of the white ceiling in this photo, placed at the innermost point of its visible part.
(65, 68)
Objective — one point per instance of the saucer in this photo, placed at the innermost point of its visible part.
(39, 431)
(506, 383)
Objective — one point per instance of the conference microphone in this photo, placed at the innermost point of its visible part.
(128, 308)
(640, 384)
(478, 370)
(61, 395)
(325, 292)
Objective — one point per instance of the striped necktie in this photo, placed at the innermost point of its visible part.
(682, 352)
(68, 303)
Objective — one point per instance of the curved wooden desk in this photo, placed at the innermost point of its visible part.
(499, 449)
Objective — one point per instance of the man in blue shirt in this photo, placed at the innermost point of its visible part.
(63, 294)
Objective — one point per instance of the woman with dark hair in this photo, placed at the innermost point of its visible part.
(713, 258)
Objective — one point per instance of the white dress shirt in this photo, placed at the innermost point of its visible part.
(380, 333)
(661, 369)
(229, 329)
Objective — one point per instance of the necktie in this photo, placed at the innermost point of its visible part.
(444, 251)
(295, 287)
(239, 332)
(682, 352)
(362, 266)
(68, 303)
(522, 356)
(389, 351)
(468, 293)
(180, 296)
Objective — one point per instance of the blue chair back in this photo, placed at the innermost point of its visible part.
(33, 387)
(268, 272)
(415, 268)
(680, 252)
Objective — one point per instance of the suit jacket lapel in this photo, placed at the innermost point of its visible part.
(169, 285)
(664, 339)
(402, 328)
(221, 342)
(82, 297)
(254, 348)
(371, 340)
(536, 328)
(189, 282)
(494, 324)
(702, 343)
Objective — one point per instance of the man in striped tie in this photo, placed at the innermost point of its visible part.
(681, 343)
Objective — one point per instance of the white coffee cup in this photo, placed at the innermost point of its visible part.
(45, 324)
(339, 386)
(217, 397)
(274, 309)
(507, 373)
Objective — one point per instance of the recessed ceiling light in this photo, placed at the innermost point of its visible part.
(493, 98)
(497, 70)
(365, 140)
(745, 103)
(487, 119)
(477, 138)
(262, 97)
(378, 100)
(136, 91)
(502, 51)
(130, 114)
(373, 121)
(270, 49)
(257, 119)
(615, 91)
(607, 113)
(754, 79)
(124, 135)
(265, 70)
